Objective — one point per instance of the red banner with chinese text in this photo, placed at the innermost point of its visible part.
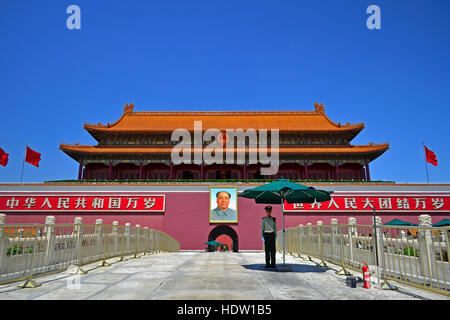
(398, 203)
(94, 203)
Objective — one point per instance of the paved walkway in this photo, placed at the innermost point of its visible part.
(201, 275)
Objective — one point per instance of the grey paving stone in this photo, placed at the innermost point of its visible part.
(104, 277)
(218, 281)
(65, 293)
(210, 295)
(208, 276)
(12, 292)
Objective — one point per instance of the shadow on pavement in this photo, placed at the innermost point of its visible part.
(300, 268)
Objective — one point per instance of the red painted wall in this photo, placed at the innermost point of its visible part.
(187, 219)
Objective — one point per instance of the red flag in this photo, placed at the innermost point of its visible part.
(3, 157)
(430, 156)
(33, 157)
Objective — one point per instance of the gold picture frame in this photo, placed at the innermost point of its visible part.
(223, 204)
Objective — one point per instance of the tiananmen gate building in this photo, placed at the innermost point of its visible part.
(139, 145)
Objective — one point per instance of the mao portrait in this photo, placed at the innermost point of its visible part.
(223, 204)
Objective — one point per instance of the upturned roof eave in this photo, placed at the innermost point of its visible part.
(356, 128)
(375, 150)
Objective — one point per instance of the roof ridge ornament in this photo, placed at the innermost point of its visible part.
(319, 107)
(128, 108)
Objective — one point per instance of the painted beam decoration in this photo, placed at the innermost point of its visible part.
(383, 203)
(83, 202)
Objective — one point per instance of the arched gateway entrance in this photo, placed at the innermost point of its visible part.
(227, 230)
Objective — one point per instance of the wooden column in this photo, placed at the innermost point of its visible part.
(202, 172)
(367, 171)
(141, 167)
(110, 170)
(80, 170)
(244, 171)
(306, 169)
(363, 173)
(337, 169)
(171, 170)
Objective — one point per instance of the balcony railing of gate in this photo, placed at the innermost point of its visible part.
(29, 250)
(417, 256)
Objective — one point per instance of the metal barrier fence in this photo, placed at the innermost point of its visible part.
(29, 250)
(417, 256)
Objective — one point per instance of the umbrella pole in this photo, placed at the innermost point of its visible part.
(282, 222)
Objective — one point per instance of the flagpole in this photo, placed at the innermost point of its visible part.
(23, 163)
(426, 167)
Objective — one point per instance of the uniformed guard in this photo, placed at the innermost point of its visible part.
(269, 234)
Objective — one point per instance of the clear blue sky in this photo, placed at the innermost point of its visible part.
(225, 55)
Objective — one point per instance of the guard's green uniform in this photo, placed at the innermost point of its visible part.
(269, 233)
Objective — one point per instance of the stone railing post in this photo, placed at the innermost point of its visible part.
(334, 237)
(320, 243)
(115, 235)
(49, 234)
(152, 241)
(378, 247)
(145, 240)
(137, 232)
(342, 249)
(124, 240)
(127, 237)
(102, 233)
(301, 249)
(30, 283)
(308, 242)
(426, 247)
(351, 235)
(319, 224)
(3, 242)
(403, 235)
(78, 233)
(99, 235)
(297, 241)
(78, 221)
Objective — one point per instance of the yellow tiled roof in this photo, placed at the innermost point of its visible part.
(287, 121)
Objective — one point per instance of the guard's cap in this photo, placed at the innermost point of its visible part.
(268, 208)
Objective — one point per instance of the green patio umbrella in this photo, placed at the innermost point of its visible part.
(213, 243)
(398, 222)
(278, 191)
(442, 223)
(273, 192)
